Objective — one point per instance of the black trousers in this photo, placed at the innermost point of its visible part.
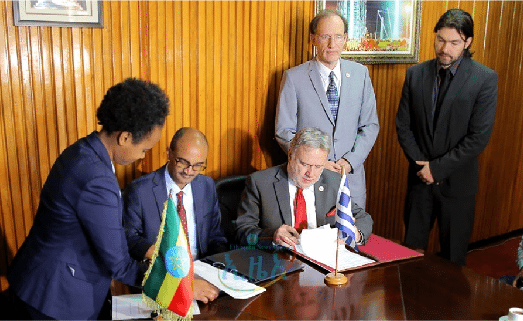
(455, 216)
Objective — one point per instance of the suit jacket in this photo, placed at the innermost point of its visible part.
(463, 127)
(265, 204)
(144, 202)
(303, 102)
(77, 243)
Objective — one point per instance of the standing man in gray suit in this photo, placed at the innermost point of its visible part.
(269, 209)
(334, 95)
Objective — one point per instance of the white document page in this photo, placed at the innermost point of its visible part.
(131, 306)
(233, 285)
(320, 245)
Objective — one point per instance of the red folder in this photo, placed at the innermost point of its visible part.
(385, 250)
(377, 248)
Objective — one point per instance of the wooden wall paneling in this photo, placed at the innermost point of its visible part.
(214, 123)
(48, 142)
(516, 219)
(178, 70)
(241, 114)
(236, 105)
(16, 135)
(481, 22)
(7, 230)
(124, 43)
(154, 63)
(221, 65)
(260, 72)
(77, 85)
(68, 76)
(26, 122)
(8, 244)
(292, 35)
(165, 30)
(59, 102)
(500, 179)
(507, 120)
(170, 79)
(273, 74)
(228, 41)
(256, 113)
(489, 190)
(116, 68)
(89, 97)
(203, 70)
(9, 185)
(97, 57)
(41, 162)
(223, 144)
(484, 193)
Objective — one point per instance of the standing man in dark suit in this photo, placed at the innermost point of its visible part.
(444, 121)
(145, 198)
(77, 244)
(269, 208)
(335, 95)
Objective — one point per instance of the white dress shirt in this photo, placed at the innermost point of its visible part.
(325, 73)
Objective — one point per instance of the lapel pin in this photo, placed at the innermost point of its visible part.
(347, 75)
(321, 188)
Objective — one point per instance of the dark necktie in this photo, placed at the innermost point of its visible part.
(300, 210)
(181, 212)
(332, 96)
(444, 76)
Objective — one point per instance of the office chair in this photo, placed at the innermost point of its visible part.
(229, 190)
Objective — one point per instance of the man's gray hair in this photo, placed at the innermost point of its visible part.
(311, 137)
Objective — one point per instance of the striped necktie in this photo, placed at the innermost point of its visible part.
(332, 96)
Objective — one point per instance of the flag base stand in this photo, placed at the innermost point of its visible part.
(335, 279)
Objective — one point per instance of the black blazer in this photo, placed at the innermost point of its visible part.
(463, 129)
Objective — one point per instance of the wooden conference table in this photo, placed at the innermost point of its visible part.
(426, 287)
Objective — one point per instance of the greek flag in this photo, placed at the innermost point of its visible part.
(344, 219)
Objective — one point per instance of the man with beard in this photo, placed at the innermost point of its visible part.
(444, 121)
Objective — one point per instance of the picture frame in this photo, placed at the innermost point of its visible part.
(58, 13)
(379, 32)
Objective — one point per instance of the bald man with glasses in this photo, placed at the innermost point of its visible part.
(144, 200)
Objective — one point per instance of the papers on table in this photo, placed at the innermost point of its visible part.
(320, 245)
(131, 306)
(233, 285)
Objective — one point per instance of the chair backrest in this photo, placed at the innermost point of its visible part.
(229, 190)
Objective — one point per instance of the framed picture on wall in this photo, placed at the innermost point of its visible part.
(379, 31)
(58, 13)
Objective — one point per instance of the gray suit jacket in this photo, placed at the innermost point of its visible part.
(303, 102)
(265, 206)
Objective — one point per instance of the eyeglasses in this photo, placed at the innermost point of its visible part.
(335, 38)
(184, 164)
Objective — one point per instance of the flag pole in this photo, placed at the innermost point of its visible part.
(335, 278)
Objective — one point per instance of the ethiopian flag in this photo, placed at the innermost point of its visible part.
(168, 283)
